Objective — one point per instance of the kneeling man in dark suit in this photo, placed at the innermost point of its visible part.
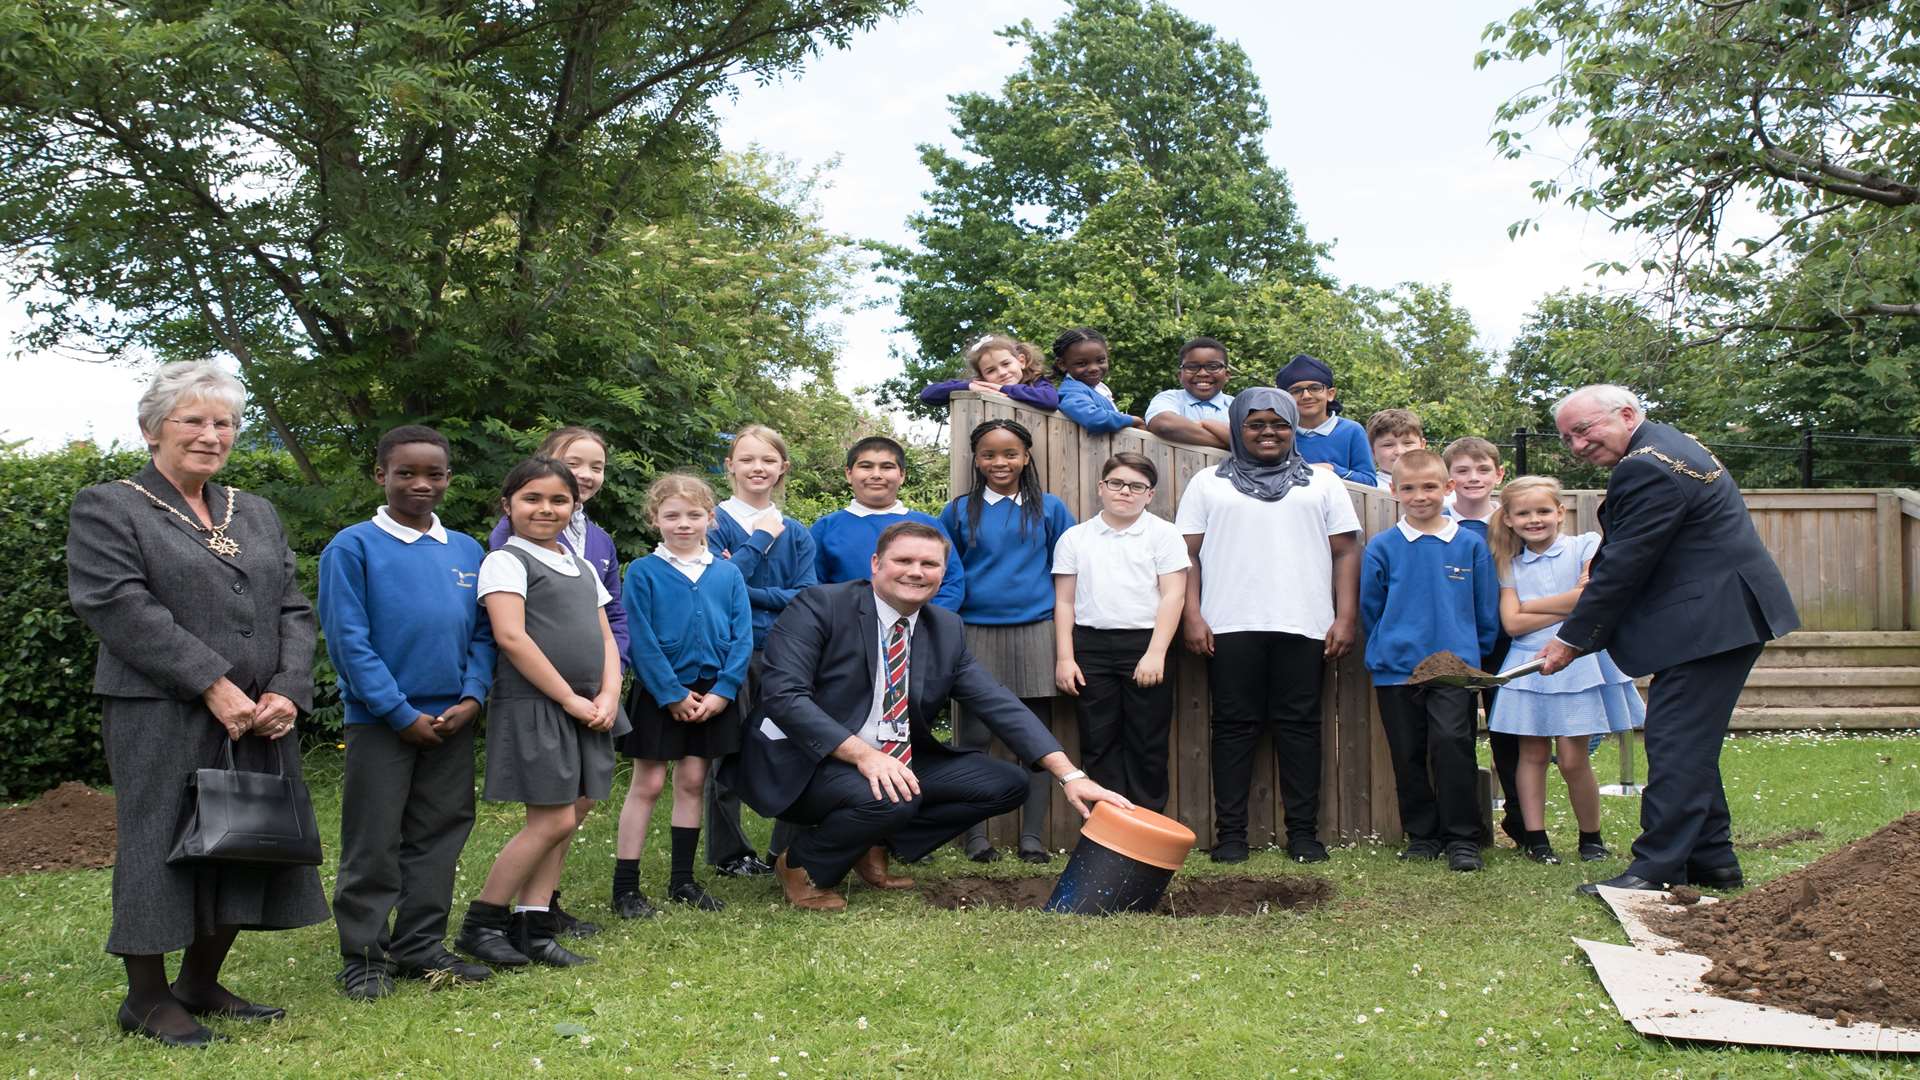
(840, 743)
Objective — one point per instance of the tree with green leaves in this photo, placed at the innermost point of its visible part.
(1118, 180)
(1691, 115)
(494, 216)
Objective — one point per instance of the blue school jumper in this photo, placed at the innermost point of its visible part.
(844, 543)
(1009, 567)
(1090, 408)
(776, 567)
(688, 631)
(404, 629)
(1424, 595)
(1345, 448)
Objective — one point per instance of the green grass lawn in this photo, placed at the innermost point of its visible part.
(1412, 971)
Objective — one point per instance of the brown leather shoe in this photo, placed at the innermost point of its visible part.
(872, 869)
(801, 892)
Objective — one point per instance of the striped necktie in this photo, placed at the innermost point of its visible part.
(893, 704)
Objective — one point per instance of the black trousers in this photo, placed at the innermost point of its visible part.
(1262, 679)
(1123, 727)
(1684, 820)
(971, 734)
(405, 814)
(1502, 746)
(726, 840)
(838, 818)
(1430, 736)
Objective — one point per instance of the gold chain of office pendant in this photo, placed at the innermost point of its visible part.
(1682, 467)
(218, 541)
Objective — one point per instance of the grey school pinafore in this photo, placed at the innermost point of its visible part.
(536, 753)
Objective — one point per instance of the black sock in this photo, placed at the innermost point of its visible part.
(685, 842)
(1534, 837)
(626, 876)
(1590, 837)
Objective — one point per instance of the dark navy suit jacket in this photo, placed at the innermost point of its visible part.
(1677, 563)
(817, 686)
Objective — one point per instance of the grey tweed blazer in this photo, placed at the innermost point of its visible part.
(172, 616)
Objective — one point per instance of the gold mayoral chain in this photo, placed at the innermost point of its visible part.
(1681, 467)
(218, 541)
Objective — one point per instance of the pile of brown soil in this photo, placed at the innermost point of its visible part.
(1836, 939)
(68, 828)
(1186, 899)
(1442, 663)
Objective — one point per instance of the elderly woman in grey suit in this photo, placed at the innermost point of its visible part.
(204, 639)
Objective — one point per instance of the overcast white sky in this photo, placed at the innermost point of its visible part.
(1379, 119)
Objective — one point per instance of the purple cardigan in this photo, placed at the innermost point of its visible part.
(605, 562)
(1038, 393)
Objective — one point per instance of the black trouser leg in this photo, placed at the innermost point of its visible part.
(1405, 722)
(433, 830)
(726, 838)
(1123, 726)
(1683, 810)
(1239, 682)
(1295, 667)
(374, 790)
(955, 792)
(1449, 716)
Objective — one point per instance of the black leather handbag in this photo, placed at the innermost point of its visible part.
(231, 815)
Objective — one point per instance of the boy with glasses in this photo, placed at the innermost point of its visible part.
(1325, 440)
(1195, 412)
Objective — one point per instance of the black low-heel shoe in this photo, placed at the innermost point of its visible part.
(533, 935)
(245, 1011)
(198, 1037)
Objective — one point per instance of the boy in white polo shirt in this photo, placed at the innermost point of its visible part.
(1273, 595)
(1120, 580)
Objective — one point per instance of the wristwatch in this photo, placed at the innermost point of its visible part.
(1077, 774)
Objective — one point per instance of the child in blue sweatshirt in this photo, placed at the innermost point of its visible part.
(1325, 439)
(1000, 366)
(415, 660)
(1080, 356)
(844, 540)
(692, 637)
(1004, 531)
(776, 555)
(1426, 586)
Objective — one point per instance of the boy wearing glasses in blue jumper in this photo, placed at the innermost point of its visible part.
(1324, 439)
(1195, 412)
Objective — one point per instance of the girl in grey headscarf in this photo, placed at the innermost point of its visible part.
(1268, 481)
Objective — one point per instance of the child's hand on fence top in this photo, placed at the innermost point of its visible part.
(1067, 676)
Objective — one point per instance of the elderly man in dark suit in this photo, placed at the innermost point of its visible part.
(841, 742)
(1681, 588)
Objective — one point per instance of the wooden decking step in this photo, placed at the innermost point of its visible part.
(1843, 648)
(1842, 719)
(1832, 687)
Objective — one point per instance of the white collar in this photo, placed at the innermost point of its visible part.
(406, 534)
(1324, 428)
(1445, 535)
(859, 509)
(737, 509)
(564, 561)
(888, 616)
(701, 559)
(1139, 525)
(990, 497)
(1559, 545)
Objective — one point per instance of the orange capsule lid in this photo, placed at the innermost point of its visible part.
(1140, 835)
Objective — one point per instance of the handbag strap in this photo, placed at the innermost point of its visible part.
(279, 753)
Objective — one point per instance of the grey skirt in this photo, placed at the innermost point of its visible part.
(540, 756)
(1021, 657)
(153, 746)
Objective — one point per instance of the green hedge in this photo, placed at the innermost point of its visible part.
(49, 717)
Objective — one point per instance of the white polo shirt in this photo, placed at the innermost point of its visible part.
(1266, 566)
(1117, 571)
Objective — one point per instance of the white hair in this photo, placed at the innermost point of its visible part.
(189, 380)
(1607, 395)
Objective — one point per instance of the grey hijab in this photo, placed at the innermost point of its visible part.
(1268, 482)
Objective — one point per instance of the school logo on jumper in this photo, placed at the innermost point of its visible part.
(463, 579)
(1458, 573)
(605, 565)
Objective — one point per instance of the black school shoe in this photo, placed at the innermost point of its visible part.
(443, 965)
(1033, 851)
(1591, 852)
(981, 850)
(200, 1036)
(1229, 851)
(361, 979)
(1420, 850)
(534, 934)
(1305, 849)
(1718, 877)
(691, 894)
(568, 925)
(1541, 853)
(633, 905)
(744, 866)
(1464, 856)
(486, 935)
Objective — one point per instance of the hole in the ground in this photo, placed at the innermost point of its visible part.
(1184, 899)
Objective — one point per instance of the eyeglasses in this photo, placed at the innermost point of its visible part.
(1203, 369)
(1307, 388)
(1131, 487)
(1579, 431)
(1262, 427)
(198, 424)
